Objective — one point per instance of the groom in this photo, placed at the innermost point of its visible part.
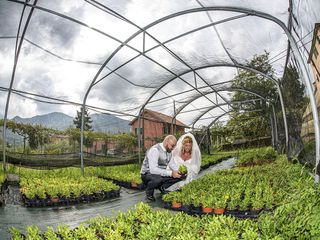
(154, 170)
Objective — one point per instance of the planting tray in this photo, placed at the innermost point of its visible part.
(61, 201)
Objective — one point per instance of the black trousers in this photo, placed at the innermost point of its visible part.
(153, 181)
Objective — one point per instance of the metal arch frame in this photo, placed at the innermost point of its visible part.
(190, 90)
(234, 66)
(233, 89)
(219, 90)
(305, 74)
(246, 11)
(222, 104)
(205, 112)
(16, 58)
(161, 44)
(209, 126)
(273, 119)
(242, 10)
(111, 56)
(223, 114)
(122, 44)
(34, 97)
(274, 132)
(172, 39)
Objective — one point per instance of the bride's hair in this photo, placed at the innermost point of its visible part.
(186, 139)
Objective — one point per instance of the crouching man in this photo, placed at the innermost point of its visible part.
(158, 170)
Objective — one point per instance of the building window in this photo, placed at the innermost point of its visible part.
(318, 38)
(315, 53)
(166, 128)
(136, 131)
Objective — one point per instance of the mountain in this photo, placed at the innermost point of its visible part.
(109, 123)
(60, 121)
(55, 120)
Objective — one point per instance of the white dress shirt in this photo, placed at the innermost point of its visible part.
(153, 156)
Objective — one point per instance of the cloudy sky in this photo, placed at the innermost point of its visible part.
(64, 49)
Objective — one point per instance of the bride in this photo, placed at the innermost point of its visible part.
(186, 153)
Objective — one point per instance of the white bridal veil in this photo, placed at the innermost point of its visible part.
(195, 160)
(193, 165)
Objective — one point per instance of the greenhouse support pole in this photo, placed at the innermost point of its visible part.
(139, 135)
(276, 139)
(18, 47)
(209, 142)
(284, 116)
(272, 133)
(81, 137)
(174, 126)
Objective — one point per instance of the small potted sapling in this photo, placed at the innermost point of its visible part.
(173, 198)
(183, 170)
(206, 203)
(219, 205)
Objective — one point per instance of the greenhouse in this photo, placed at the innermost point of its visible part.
(159, 119)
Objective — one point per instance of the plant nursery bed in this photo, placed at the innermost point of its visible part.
(62, 201)
(194, 210)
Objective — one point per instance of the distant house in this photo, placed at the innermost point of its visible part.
(155, 125)
(57, 138)
(101, 147)
(307, 129)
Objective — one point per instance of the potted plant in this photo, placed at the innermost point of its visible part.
(219, 205)
(175, 204)
(257, 200)
(205, 202)
(183, 169)
(174, 198)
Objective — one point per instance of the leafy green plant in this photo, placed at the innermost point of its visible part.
(83, 232)
(183, 169)
(220, 202)
(16, 234)
(56, 183)
(65, 232)
(51, 234)
(126, 173)
(258, 198)
(33, 233)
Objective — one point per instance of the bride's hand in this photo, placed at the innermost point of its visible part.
(175, 174)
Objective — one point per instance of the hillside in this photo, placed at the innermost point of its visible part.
(60, 121)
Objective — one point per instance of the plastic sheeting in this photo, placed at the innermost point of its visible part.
(159, 43)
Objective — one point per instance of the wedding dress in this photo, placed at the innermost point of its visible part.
(193, 164)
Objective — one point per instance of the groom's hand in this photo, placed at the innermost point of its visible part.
(175, 174)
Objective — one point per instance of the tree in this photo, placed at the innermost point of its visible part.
(36, 135)
(246, 124)
(87, 120)
(220, 133)
(295, 104)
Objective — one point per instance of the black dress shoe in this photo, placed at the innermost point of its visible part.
(162, 190)
(151, 198)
